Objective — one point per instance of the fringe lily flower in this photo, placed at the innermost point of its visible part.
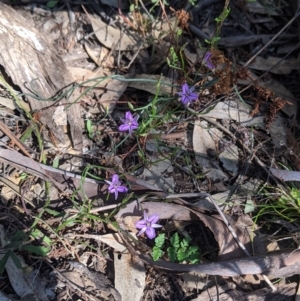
(187, 94)
(115, 186)
(207, 60)
(147, 225)
(129, 123)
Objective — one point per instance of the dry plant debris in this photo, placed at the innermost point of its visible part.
(146, 144)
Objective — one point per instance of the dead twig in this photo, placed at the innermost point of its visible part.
(13, 138)
(237, 239)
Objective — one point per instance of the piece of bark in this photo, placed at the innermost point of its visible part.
(32, 63)
(275, 264)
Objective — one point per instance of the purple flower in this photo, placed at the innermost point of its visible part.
(187, 95)
(115, 186)
(147, 225)
(129, 123)
(207, 60)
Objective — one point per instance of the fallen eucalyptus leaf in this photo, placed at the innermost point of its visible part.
(112, 37)
(130, 277)
(165, 85)
(274, 65)
(234, 111)
(286, 175)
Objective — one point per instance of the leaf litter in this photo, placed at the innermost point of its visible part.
(184, 157)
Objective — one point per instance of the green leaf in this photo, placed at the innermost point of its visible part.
(172, 254)
(131, 8)
(89, 128)
(23, 176)
(184, 243)
(181, 255)
(194, 258)
(37, 234)
(175, 240)
(15, 259)
(131, 107)
(157, 253)
(168, 61)
(52, 3)
(39, 250)
(54, 213)
(3, 262)
(56, 162)
(160, 240)
(141, 154)
(249, 206)
(18, 236)
(193, 249)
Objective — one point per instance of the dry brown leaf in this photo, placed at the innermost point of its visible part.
(233, 110)
(114, 90)
(194, 57)
(256, 8)
(274, 65)
(205, 141)
(165, 87)
(227, 244)
(11, 104)
(286, 175)
(60, 178)
(130, 277)
(60, 116)
(81, 74)
(112, 37)
(101, 60)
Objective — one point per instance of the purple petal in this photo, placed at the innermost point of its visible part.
(153, 219)
(193, 96)
(128, 115)
(207, 60)
(134, 123)
(116, 194)
(142, 231)
(108, 182)
(115, 178)
(122, 189)
(140, 224)
(210, 65)
(207, 55)
(111, 189)
(150, 232)
(156, 226)
(185, 100)
(146, 216)
(185, 88)
(124, 128)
